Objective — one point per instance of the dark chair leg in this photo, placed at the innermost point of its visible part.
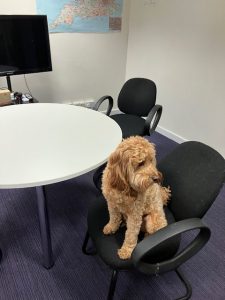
(84, 246)
(112, 285)
(187, 285)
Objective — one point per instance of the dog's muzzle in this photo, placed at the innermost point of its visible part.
(157, 178)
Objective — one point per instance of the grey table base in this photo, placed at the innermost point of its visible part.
(48, 261)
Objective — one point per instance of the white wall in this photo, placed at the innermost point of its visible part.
(84, 65)
(180, 44)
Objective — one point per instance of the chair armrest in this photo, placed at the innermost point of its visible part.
(164, 234)
(154, 115)
(101, 100)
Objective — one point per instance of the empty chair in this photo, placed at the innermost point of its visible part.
(136, 102)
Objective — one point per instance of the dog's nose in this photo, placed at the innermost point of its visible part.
(156, 179)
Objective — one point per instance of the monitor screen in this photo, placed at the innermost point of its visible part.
(24, 44)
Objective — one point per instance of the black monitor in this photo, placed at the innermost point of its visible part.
(24, 44)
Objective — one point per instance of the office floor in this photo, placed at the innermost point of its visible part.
(76, 276)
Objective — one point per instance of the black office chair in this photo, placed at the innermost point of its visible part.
(195, 172)
(136, 100)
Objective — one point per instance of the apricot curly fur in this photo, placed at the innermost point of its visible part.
(131, 185)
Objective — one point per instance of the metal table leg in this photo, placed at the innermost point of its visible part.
(44, 228)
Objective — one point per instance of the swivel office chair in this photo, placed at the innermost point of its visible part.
(195, 172)
(136, 100)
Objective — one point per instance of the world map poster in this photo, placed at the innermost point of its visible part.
(82, 15)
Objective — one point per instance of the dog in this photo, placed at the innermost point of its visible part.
(131, 185)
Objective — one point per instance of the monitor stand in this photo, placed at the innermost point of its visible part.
(9, 83)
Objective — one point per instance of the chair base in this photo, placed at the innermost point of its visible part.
(84, 246)
(115, 274)
(112, 284)
(187, 286)
(178, 272)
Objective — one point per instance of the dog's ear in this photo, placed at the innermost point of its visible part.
(153, 153)
(118, 173)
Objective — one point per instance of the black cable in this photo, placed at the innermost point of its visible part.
(27, 85)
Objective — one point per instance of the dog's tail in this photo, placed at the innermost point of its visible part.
(166, 194)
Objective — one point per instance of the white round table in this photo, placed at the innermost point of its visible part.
(47, 143)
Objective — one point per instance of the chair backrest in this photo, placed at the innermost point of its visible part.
(195, 172)
(137, 96)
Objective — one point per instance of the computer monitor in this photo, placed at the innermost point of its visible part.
(24, 44)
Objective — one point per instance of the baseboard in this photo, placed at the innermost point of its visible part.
(115, 111)
(171, 135)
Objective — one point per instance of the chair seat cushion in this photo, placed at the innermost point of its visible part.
(107, 246)
(130, 125)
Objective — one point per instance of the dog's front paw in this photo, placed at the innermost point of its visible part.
(108, 229)
(125, 253)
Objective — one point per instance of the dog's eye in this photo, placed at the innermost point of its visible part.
(141, 163)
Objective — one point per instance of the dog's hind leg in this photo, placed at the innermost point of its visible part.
(155, 221)
(147, 225)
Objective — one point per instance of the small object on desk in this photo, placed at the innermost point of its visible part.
(25, 99)
(5, 98)
(29, 97)
(18, 97)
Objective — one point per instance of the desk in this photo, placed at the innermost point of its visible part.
(47, 143)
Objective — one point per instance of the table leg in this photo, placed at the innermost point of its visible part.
(44, 228)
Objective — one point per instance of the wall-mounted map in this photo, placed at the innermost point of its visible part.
(82, 15)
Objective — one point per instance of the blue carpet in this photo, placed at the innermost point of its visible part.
(76, 276)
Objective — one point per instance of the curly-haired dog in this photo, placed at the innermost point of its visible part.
(131, 186)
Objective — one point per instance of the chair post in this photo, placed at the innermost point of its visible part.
(187, 285)
(84, 246)
(112, 285)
